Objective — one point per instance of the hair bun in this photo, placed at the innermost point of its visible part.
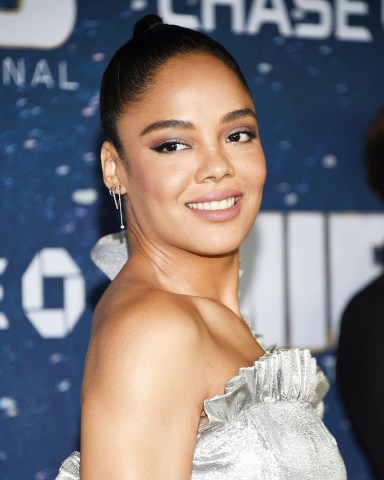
(146, 24)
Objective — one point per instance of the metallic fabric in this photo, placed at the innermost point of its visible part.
(110, 253)
(70, 468)
(266, 426)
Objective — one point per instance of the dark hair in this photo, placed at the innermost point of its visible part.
(132, 68)
(375, 154)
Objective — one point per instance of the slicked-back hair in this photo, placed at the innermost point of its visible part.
(132, 69)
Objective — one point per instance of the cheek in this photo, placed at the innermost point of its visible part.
(261, 174)
(145, 180)
(153, 183)
(255, 171)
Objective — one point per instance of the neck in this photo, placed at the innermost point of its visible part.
(182, 272)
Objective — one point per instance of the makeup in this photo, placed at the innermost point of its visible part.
(217, 206)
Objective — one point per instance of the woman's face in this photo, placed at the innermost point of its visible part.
(196, 165)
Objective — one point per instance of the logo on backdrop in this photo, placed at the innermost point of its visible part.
(49, 263)
(344, 19)
(38, 24)
(53, 322)
(43, 24)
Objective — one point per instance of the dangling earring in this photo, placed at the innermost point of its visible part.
(113, 193)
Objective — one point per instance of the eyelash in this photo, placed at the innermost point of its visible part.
(250, 134)
(173, 144)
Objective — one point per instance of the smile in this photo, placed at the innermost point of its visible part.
(214, 205)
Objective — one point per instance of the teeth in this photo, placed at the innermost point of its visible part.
(215, 205)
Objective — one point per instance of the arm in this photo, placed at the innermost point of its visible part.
(142, 394)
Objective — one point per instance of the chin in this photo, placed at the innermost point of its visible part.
(212, 248)
(217, 254)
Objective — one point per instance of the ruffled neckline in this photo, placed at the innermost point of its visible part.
(283, 375)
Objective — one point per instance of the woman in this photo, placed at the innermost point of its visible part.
(183, 147)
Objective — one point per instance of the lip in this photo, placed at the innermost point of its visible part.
(217, 196)
(218, 215)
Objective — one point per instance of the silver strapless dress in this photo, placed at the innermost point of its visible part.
(266, 426)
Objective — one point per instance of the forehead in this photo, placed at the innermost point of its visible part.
(185, 71)
(196, 63)
(194, 82)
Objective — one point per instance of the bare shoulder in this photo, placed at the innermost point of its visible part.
(143, 389)
(141, 329)
(130, 301)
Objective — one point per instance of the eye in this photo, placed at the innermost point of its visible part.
(170, 146)
(241, 137)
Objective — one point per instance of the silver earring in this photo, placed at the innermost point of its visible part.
(115, 192)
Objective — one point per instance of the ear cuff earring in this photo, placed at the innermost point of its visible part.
(116, 194)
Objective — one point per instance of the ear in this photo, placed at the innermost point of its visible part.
(112, 166)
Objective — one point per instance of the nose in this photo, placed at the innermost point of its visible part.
(214, 166)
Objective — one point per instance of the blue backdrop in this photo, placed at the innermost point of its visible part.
(316, 70)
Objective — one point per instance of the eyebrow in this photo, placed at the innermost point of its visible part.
(162, 124)
(186, 125)
(236, 114)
